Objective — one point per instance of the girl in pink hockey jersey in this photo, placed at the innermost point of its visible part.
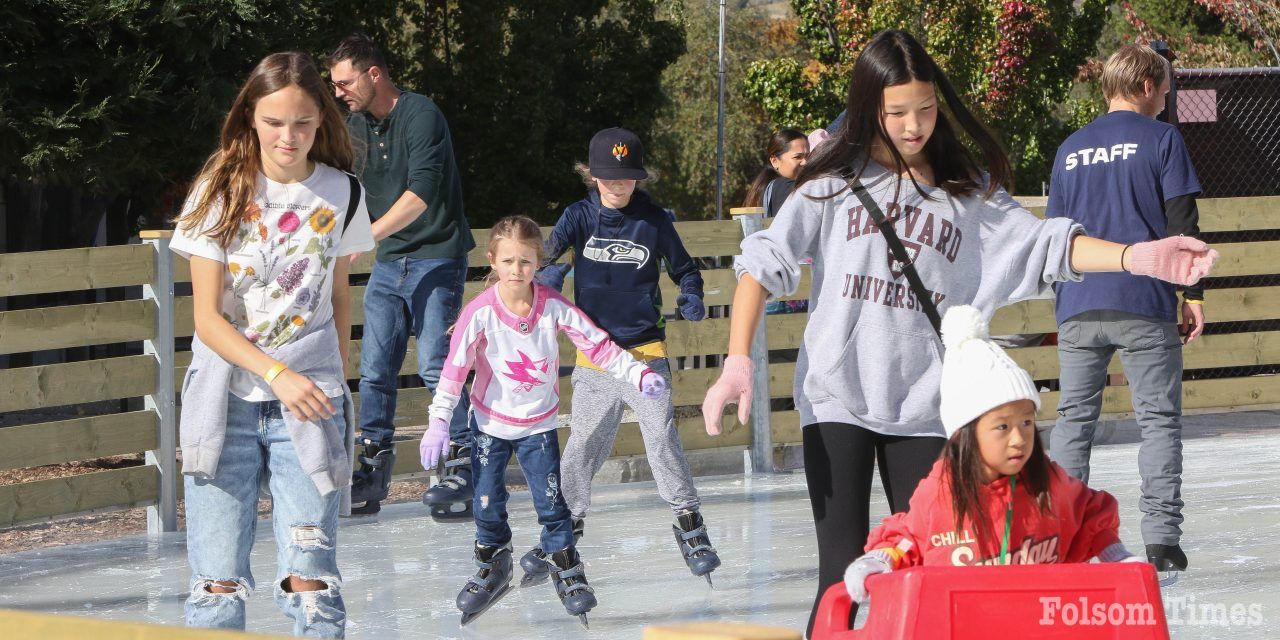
(508, 335)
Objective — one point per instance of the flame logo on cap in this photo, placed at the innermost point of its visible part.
(620, 151)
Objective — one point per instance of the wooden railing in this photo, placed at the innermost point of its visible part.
(157, 318)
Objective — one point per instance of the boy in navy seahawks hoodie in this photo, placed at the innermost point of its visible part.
(622, 241)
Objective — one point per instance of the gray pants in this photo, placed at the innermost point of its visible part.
(598, 400)
(1151, 354)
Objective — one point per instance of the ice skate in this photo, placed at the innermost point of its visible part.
(535, 564)
(1169, 561)
(372, 481)
(451, 498)
(570, 580)
(490, 583)
(691, 536)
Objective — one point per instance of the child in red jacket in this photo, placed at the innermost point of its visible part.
(993, 497)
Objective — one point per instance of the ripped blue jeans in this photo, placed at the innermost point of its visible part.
(539, 457)
(222, 518)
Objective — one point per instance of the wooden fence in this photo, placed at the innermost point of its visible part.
(157, 318)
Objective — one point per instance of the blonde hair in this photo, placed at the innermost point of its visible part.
(1128, 69)
(584, 172)
(520, 229)
(228, 181)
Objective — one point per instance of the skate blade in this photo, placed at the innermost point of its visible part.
(468, 617)
(709, 583)
(369, 508)
(1167, 578)
(533, 579)
(582, 617)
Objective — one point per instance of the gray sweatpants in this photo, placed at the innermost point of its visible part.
(598, 400)
(1151, 354)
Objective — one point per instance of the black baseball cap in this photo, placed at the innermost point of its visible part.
(616, 154)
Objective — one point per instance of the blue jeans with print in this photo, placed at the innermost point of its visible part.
(539, 457)
(422, 295)
(222, 518)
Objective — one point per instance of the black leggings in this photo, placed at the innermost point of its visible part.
(838, 459)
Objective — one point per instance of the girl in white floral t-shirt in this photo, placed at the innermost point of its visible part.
(269, 231)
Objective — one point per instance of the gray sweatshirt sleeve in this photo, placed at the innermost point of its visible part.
(1027, 255)
(773, 256)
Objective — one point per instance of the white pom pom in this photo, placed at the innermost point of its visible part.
(962, 323)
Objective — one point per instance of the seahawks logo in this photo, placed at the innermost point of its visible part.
(619, 251)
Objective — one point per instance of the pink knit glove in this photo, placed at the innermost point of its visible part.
(734, 385)
(435, 443)
(652, 385)
(1179, 259)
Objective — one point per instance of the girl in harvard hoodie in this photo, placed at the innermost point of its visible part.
(866, 382)
(508, 335)
(993, 497)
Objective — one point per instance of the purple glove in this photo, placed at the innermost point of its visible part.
(734, 385)
(691, 307)
(435, 443)
(652, 385)
(1179, 259)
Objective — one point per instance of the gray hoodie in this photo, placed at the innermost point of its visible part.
(869, 355)
(325, 448)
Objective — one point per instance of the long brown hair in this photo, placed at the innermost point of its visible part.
(229, 178)
(895, 58)
(962, 472)
(779, 142)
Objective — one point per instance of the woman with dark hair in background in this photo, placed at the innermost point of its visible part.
(787, 152)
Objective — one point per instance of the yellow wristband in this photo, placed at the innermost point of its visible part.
(1185, 301)
(274, 371)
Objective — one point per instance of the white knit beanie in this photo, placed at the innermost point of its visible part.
(977, 375)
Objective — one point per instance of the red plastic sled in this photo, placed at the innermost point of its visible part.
(1076, 601)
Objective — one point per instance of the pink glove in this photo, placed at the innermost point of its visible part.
(1179, 259)
(734, 385)
(435, 443)
(652, 385)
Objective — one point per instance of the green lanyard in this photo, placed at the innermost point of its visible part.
(1008, 520)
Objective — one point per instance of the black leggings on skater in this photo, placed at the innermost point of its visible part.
(838, 459)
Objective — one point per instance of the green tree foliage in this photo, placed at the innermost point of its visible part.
(125, 96)
(524, 86)
(1013, 62)
(1203, 33)
(683, 144)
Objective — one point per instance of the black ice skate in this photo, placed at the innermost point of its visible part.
(451, 498)
(695, 546)
(570, 580)
(490, 583)
(1169, 562)
(535, 563)
(372, 481)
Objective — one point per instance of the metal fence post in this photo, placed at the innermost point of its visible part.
(163, 516)
(752, 220)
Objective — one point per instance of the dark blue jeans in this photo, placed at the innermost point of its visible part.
(410, 294)
(539, 457)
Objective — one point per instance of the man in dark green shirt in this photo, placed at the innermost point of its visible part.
(404, 157)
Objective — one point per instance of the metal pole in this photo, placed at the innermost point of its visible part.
(162, 516)
(752, 220)
(720, 124)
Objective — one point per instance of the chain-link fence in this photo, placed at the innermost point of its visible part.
(1230, 119)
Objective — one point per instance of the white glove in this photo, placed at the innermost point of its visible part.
(855, 577)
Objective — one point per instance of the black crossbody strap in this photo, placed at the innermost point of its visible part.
(353, 204)
(899, 254)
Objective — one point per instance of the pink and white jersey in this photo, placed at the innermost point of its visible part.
(516, 392)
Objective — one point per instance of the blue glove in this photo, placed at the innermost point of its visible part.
(691, 307)
(553, 275)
